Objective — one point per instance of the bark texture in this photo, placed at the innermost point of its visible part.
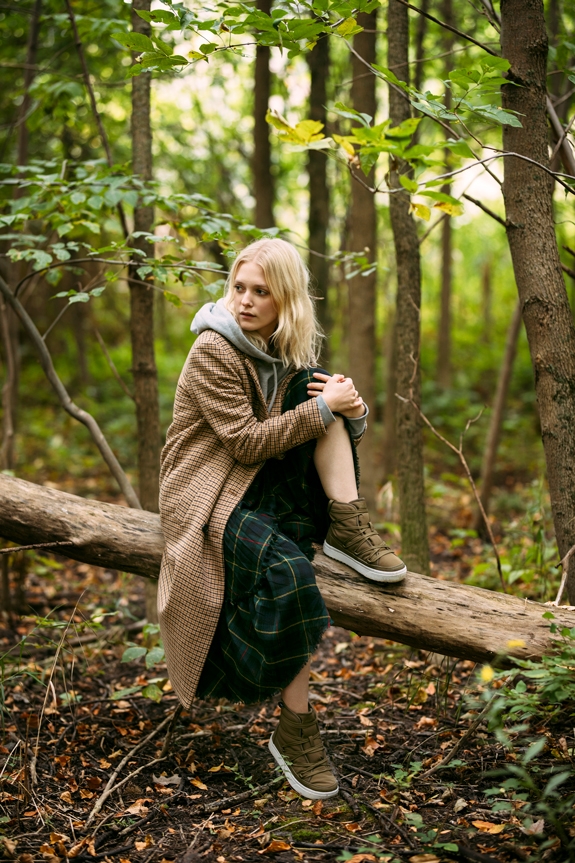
(318, 219)
(262, 160)
(363, 238)
(142, 304)
(411, 492)
(528, 202)
(452, 619)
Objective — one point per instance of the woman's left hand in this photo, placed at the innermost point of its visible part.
(315, 388)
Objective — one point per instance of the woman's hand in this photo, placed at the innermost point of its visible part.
(339, 394)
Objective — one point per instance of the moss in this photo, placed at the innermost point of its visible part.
(306, 835)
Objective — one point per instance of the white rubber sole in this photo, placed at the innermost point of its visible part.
(309, 793)
(373, 574)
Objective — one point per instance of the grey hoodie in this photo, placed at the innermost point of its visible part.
(271, 371)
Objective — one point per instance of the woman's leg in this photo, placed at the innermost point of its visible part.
(333, 460)
(296, 694)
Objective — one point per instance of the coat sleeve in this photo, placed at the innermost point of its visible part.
(220, 394)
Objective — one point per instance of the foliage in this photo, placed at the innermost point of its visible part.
(527, 708)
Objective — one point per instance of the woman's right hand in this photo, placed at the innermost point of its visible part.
(339, 393)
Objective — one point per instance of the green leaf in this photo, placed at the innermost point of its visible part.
(132, 653)
(134, 41)
(349, 27)
(80, 297)
(153, 692)
(173, 299)
(154, 656)
(420, 210)
(122, 693)
(408, 183)
(534, 750)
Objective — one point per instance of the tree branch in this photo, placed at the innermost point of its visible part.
(486, 210)
(449, 27)
(81, 415)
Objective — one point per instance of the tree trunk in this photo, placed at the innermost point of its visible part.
(318, 220)
(494, 433)
(411, 491)
(363, 238)
(10, 327)
(452, 619)
(444, 329)
(142, 305)
(389, 442)
(486, 304)
(527, 192)
(262, 159)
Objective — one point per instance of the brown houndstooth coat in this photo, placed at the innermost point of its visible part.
(220, 436)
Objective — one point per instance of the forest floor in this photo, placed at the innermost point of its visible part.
(200, 785)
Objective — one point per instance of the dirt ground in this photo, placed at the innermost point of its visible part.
(200, 785)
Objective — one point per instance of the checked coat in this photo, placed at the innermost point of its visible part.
(220, 437)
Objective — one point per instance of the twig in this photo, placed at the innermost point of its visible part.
(486, 210)
(109, 785)
(449, 27)
(170, 731)
(34, 760)
(69, 406)
(568, 270)
(113, 368)
(567, 156)
(565, 572)
(462, 459)
(462, 740)
(16, 548)
(391, 824)
(225, 802)
(350, 800)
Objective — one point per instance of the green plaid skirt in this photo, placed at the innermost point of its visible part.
(273, 615)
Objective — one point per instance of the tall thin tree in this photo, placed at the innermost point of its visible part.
(414, 541)
(362, 238)
(262, 156)
(318, 218)
(547, 317)
(444, 328)
(142, 305)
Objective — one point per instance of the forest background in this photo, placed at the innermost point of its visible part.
(143, 145)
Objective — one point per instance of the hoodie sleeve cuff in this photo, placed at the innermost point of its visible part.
(325, 412)
(356, 425)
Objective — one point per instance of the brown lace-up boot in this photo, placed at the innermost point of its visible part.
(297, 748)
(352, 539)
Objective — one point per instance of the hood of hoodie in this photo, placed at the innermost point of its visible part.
(215, 316)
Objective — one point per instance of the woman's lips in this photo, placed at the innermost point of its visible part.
(246, 315)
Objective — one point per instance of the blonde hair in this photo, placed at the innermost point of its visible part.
(297, 336)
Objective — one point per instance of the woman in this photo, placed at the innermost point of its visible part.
(259, 463)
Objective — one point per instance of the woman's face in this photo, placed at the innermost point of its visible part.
(253, 304)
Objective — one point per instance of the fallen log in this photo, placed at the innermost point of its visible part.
(441, 616)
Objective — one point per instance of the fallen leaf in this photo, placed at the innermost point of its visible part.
(216, 769)
(139, 807)
(306, 804)
(353, 828)
(93, 782)
(317, 807)
(167, 780)
(9, 847)
(141, 846)
(370, 746)
(424, 858)
(25, 858)
(199, 784)
(536, 828)
(365, 720)
(86, 795)
(460, 804)
(426, 721)
(66, 797)
(488, 827)
(286, 796)
(105, 765)
(361, 858)
(275, 846)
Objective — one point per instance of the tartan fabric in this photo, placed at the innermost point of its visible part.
(220, 437)
(273, 615)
